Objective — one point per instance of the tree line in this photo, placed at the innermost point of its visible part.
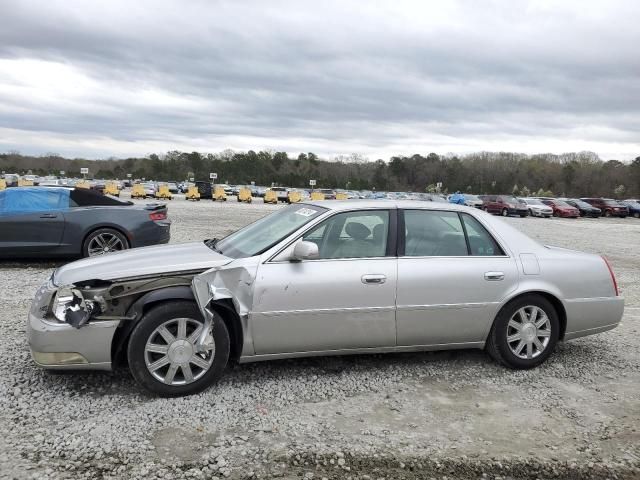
(569, 174)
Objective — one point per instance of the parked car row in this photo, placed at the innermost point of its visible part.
(546, 207)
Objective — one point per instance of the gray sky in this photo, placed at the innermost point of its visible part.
(122, 78)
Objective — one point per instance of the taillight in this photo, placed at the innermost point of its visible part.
(613, 277)
(158, 216)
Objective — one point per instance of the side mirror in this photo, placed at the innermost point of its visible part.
(305, 251)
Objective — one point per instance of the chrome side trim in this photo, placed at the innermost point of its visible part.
(320, 311)
(444, 306)
(358, 351)
(592, 299)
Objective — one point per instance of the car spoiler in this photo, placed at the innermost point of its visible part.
(155, 206)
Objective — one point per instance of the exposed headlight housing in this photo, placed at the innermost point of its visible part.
(70, 307)
(63, 300)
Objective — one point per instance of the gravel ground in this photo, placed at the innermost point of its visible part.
(424, 415)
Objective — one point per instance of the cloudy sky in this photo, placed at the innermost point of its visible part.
(122, 78)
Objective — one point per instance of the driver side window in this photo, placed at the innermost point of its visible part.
(361, 234)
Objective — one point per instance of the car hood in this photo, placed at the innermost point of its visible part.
(137, 262)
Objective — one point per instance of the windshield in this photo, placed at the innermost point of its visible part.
(560, 203)
(266, 232)
(580, 203)
(532, 201)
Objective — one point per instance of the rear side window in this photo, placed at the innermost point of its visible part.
(431, 233)
(481, 243)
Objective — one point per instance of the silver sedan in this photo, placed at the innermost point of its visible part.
(322, 278)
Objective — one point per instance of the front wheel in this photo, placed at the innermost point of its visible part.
(162, 350)
(104, 240)
(524, 333)
(505, 212)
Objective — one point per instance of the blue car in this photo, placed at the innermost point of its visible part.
(633, 205)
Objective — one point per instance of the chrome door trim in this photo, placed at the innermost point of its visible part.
(320, 311)
(440, 306)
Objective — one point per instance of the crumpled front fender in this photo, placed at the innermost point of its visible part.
(235, 282)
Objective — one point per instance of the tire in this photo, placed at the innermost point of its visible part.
(504, 352)
(555, 213)
(170, 314)
(505, 212)
(531, 213)
(636, 214)
(607, 213)
(104, 238)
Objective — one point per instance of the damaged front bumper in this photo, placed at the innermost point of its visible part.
(58, 345)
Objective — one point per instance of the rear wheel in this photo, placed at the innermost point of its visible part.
(505, 212)
(104, 240)
(524, 333)
(162, 350)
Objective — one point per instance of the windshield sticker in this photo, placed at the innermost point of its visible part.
(305, 212)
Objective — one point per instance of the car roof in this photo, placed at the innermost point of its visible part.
(365, 204)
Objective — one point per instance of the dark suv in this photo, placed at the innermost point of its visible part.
(609, 207)
(586, 210)
(503, 205)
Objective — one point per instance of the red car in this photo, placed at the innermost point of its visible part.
(504, 205)
(609, 207)
(560, 208)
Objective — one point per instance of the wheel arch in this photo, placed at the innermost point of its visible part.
(549, 296)
(144, 303)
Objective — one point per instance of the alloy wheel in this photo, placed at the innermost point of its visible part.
(105, 243)
(528, 332)
(170, 352)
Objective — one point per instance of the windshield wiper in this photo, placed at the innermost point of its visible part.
(211, 243)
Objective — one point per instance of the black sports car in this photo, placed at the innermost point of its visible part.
(74, 222)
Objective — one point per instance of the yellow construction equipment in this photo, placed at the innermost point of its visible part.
(219, 194)
(341, 196)
(25, 183)
(317, 196)
(294, 196)
(163, 192)
(193, 193)
(138, 191)
(3, 184)
(111, 188)
(244, 195)
(83, 184)
(270, 197)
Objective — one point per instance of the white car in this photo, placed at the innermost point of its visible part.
(537, 208)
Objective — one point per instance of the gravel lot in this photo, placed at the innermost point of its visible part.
(424, 415)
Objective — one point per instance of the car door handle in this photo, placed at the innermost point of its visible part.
(48, 215)
(374, 279)
(494, 276)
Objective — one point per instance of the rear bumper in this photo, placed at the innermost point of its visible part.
(152, 233)
(587, 316)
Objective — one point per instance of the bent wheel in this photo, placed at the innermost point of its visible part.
(162, 350)
(524, 333)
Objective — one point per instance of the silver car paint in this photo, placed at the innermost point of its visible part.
(284, 318)
(140, 262)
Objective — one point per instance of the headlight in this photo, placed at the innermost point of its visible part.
(64, 299)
